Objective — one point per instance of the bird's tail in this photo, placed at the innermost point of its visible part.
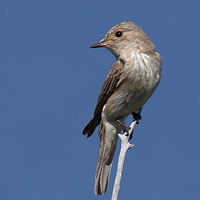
(108, 142)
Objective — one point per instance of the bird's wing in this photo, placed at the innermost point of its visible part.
(111, 83)
(109, 86)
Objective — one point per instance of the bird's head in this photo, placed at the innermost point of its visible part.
(126, 37)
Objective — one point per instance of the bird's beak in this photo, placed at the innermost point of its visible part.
(102, 43)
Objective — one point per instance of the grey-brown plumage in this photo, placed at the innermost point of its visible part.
(130, 83)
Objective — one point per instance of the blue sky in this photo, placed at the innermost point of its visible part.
(49, 84)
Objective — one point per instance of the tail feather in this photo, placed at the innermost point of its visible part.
(107, 150)
(102, 179)
(91, 126)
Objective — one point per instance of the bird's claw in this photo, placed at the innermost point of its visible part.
(137, 117)
(124, 128)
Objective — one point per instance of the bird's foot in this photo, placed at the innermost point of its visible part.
(137, 117)
(124, 128)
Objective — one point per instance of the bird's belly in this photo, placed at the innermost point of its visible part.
(134, 103)
(128, 100)
(138, 102)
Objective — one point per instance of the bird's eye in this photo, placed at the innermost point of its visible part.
(118, 34)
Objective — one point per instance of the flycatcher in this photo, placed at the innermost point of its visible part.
(129, 84)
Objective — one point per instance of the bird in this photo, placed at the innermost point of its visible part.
(131, 81)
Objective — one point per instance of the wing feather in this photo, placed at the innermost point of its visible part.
(110, 85)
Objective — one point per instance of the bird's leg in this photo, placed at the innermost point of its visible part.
(137, 116)
(124, 128)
